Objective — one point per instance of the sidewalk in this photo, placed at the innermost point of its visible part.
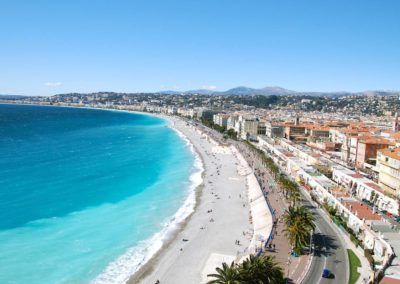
(294, 267)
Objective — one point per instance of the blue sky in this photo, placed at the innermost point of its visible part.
(49, 47)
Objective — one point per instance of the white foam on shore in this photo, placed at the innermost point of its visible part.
(120, 270)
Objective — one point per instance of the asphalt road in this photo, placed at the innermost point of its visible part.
(329, 251)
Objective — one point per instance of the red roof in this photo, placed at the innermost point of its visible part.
(389, 280)
(362, 210)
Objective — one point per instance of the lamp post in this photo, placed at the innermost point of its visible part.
(311, 237)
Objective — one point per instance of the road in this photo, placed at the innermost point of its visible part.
(329, 250)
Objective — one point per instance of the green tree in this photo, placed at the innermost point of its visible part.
(253, 270)
(299, 223)
(228, 274)
(294, 197)
(261, 270)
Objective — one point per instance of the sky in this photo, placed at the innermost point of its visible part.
(51, 47)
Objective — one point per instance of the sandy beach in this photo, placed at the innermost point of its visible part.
(221, 217)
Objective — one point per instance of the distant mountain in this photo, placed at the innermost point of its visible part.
(244, 91)
(240, 91)
(169, 92)
(11, 97)
(201, 92)
(279, 91)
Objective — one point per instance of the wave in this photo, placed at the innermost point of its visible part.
(120, 270)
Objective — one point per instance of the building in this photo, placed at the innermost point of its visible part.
(367, 150)
(274, 130)
(221, 119)
(317, 132)
(172, 110)
(388, 165)
(294, 132)
(230, 124)
(261, 128)
(203, 113)
(363, 188)
(325, 146)
(249, 127)
(396, 124)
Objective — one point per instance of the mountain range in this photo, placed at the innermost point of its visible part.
(279, 91)
(11, 97)
(246, 91)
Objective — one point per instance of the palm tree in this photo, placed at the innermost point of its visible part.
(253, 270)
(298, 236)
(261, 270)
(294, 196)
(290, 216)
(299, 214)
(228, 274)
(299, 223)
(306, 217)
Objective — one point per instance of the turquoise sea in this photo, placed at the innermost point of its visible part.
(88, 195)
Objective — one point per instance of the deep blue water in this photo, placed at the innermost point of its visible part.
(81, 187)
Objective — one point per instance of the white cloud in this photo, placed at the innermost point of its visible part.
(53, 84)
(211, 87)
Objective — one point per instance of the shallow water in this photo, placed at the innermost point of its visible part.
(84, 192)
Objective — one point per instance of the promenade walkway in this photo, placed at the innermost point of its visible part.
(295, 267)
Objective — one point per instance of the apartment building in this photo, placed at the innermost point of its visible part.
(221, 119)
(249, 127)
(367, 150)
(273, 130)
(295, 132)
(388, 164)
(318, 132)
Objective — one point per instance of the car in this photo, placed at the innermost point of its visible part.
(326, 273)
(383, 211)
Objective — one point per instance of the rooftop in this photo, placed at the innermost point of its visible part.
(362, 211)
(376, 140)
(394, 154)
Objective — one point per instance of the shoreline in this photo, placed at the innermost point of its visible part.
(155, 267)
(148, 267)
(219, 245)
(171, 229)
(172, 225)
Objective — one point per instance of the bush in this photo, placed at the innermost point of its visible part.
(355, 240)
(370, 258)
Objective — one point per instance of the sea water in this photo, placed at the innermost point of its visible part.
(88, 196)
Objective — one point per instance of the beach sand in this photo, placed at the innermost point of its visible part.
(208, 236)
